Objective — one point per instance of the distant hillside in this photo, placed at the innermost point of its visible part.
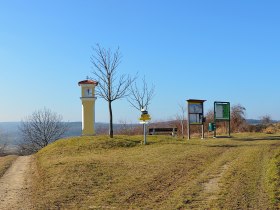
(255, 122)
(10, 132)
(75, 128)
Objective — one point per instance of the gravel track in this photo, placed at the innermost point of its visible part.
(15, 185)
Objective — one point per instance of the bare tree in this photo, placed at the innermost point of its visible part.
(3, 148)
(210, 116)
(3, 144)
(181, 116)
(39, 129)
(238, 121)
(266, 119)
(140, 96)
(111, 86)
(125, 128)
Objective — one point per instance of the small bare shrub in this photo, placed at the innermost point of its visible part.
(40, 129)
(3, 149)
(270, 130)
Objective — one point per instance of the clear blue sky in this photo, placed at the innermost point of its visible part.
(213, 50)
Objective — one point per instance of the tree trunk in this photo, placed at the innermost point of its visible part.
(182, 127)
(111, 120)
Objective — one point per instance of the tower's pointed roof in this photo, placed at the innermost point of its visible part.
(87, 81)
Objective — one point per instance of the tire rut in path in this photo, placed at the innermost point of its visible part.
(15, 185)
(212, 187)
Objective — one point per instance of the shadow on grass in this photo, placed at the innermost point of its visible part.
(119, 143)
(266, 138)
(223, 137)
(224, 145)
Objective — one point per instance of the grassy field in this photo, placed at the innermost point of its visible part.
(6, 162)
(99, 173)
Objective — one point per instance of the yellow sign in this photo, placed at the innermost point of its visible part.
(145, 117)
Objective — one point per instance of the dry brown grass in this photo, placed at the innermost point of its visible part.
(100, 173)
(6, 162)
(272, 128)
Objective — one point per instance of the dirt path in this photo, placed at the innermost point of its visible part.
(15, 185)
(212, 187)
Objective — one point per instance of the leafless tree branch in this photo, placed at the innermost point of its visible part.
(181, 116)
(140, 97)
(3, 148)
(110, 87)
(238, 120)
(39, 129)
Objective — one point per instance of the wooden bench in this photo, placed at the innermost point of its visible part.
(163, 131)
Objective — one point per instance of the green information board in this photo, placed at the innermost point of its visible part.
(222, 111)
